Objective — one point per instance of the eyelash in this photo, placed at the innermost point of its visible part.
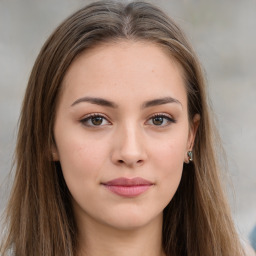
(89, 118)
(167, 117)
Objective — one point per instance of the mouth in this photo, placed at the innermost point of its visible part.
(128, 187)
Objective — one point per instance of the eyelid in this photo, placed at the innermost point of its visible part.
(165, 115)
(91, 115)
(95, 114)
(87, 117)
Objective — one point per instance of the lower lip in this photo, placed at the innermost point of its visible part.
(128, 191)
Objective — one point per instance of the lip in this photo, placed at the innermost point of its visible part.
(128, 187)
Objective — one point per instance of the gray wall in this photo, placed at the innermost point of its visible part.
(222, 32)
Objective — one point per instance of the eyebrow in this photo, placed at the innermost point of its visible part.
(108, 103)
(160, 101)
(97, 101)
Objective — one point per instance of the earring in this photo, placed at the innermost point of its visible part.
(190, 156)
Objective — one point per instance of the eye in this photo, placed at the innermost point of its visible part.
(93, 120)
(161, 120)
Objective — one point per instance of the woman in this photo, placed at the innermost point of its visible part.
(116, 150)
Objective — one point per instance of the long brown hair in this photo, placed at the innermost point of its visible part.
(40, 220)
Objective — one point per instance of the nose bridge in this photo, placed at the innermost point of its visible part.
(129, 146)
(130, 138)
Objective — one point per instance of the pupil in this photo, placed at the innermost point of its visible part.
(158, 120)
(97, 120)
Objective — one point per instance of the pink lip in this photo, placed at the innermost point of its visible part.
(128, 187)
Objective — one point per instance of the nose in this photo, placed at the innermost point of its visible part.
(129, 147)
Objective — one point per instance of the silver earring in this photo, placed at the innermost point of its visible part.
(190, 156)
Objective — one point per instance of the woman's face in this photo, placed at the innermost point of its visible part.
(122, 133)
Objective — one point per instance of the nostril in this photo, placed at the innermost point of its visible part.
(122, 162)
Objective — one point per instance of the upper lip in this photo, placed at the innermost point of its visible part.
(128, 182)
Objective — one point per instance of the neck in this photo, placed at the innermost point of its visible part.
(96, 239)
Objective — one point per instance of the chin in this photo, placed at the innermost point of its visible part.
(131, 220)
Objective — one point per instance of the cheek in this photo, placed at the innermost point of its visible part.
(171, 162)
(81, 160)
(169, 154)
(168, 162)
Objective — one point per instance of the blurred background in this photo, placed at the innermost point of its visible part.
(223, 32)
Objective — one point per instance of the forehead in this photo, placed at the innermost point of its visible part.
(127, 69)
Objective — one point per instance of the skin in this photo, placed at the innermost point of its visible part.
(127, 141)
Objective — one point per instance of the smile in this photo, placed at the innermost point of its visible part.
(128, 187)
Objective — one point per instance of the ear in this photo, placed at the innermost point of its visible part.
(55, 154)
(192, 135)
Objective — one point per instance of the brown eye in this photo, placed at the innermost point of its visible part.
(158, 120)
(97, 120)
(93, 120)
